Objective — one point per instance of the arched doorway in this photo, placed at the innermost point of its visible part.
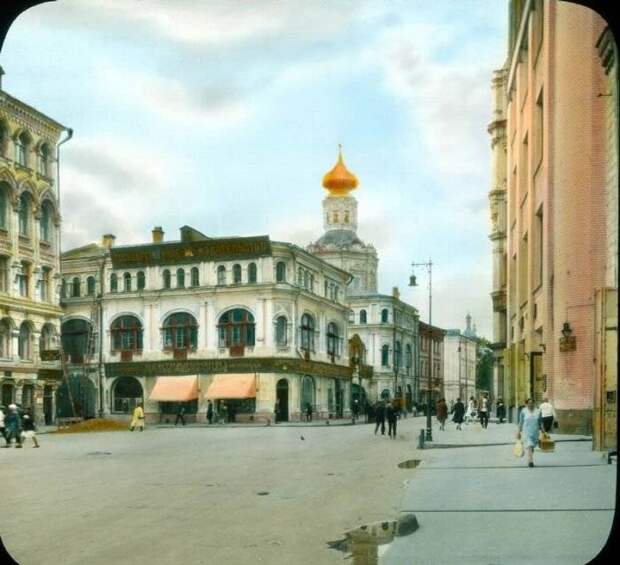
(74, 339)
(307, 393)
(385, 394)
(83, 395)
(339, 399)
(282, 401)
(127, 394)
(358, 399)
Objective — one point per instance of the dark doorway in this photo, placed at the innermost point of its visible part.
(48, 413)
(339, 399)
(282, 400)
(7, 394)
(536, 376)
(82, 393)
(74, 339)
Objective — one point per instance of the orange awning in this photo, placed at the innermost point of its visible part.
(175, 389)
(232, 385)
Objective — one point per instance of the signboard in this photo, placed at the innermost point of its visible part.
(568, 343)
(233, 365)
(190, 252)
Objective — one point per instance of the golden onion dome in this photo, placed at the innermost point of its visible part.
(339, 181)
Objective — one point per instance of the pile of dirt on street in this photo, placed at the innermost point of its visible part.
(93, 425)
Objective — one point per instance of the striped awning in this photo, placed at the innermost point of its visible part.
(175, 389)
(232, 385)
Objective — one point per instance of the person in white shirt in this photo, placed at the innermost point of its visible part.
(547, 414)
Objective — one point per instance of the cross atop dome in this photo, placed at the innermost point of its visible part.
(340, 181)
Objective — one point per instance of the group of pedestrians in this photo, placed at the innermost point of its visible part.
(17, 425)
(386, 410)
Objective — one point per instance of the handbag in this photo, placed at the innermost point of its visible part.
(517, 450)
(545, 442)
(556, 424)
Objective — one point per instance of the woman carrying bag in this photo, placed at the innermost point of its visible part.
(530, 426)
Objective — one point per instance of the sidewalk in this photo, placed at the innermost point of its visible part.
(476, 503)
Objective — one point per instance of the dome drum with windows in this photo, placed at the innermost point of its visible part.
(340, 181)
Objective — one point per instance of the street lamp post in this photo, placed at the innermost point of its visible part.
(412, 282)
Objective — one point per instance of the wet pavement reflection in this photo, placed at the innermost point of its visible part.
(366, 543)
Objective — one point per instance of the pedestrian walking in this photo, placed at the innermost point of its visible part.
(547, 414)
(137, 420)
(459, 411)
(484, 411)
(308, 412)
(180, 414)
(500, 411)
(530, 426)
(29, 428)
(380, 417)
(3, 426)
(210, 412)
(13, 425)
(470, 415)
(355, 408)
(391, 413)
(442, 413)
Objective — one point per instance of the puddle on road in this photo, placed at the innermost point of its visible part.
(410, 464)
(363, 543)
(99, 453)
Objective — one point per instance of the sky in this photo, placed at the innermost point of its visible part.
(225, 115)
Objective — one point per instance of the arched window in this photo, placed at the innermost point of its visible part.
(300, 277)
(4, 138)
(221, 275)
(4, 205)
(127, 282)
(280, 271)
(252, 273)
(166, 278)
(24, 215)
(281, 331)
(6, 333)
(385, 356)
(195, 276)
(22, 141)
(180, 278)
(126, 334)
(236, 273)
(333, 341)
(24, 345)
(408, 356)
(113, 283)
(385, 316)
(127, 395)
(180, 331)
(363, 319)
(43, 160)
(141, 280)
(75, 287)
(236, 328)
(74, 339)
(398, 355)
(63, 289)
(346, 217)
(47, 341)
(307, 332)
(46, 221)
(90, 286)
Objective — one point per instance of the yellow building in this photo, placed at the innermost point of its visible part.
(553, 200)
(29, 257)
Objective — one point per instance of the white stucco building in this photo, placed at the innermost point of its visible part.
(460, 357)
(245, 320)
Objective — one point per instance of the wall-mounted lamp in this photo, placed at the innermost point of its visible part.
(412, 281)
(566, 330)
(568, 342)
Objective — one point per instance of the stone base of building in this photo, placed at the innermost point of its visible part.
(574, 422)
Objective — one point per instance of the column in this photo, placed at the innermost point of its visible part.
(202, 326)
(211, 325)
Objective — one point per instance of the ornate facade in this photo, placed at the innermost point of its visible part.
(248, 322)
(29, 258)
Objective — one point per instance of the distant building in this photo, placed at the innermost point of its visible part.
(387, 326)
(29, 258)
(554, 203)
(255, 325)
(431, 362)
(460, 357)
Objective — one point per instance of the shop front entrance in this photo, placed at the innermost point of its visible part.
(48, 405)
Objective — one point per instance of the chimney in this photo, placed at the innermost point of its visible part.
(395, 292)
(107, 240)
(158, 234)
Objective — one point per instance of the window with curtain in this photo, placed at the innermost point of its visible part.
(180, 331)
(307, 332)
(333, 341)
(236, 328)
(126, 334)
(281, 331)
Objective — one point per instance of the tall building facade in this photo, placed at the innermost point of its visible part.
(432, 364)
(552, 227)
(460, 357)
(255, 325)
(29, 258)
(386, 326)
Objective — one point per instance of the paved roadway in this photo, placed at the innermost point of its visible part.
(191, 495)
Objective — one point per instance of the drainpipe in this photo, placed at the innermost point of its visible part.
(100, 316)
